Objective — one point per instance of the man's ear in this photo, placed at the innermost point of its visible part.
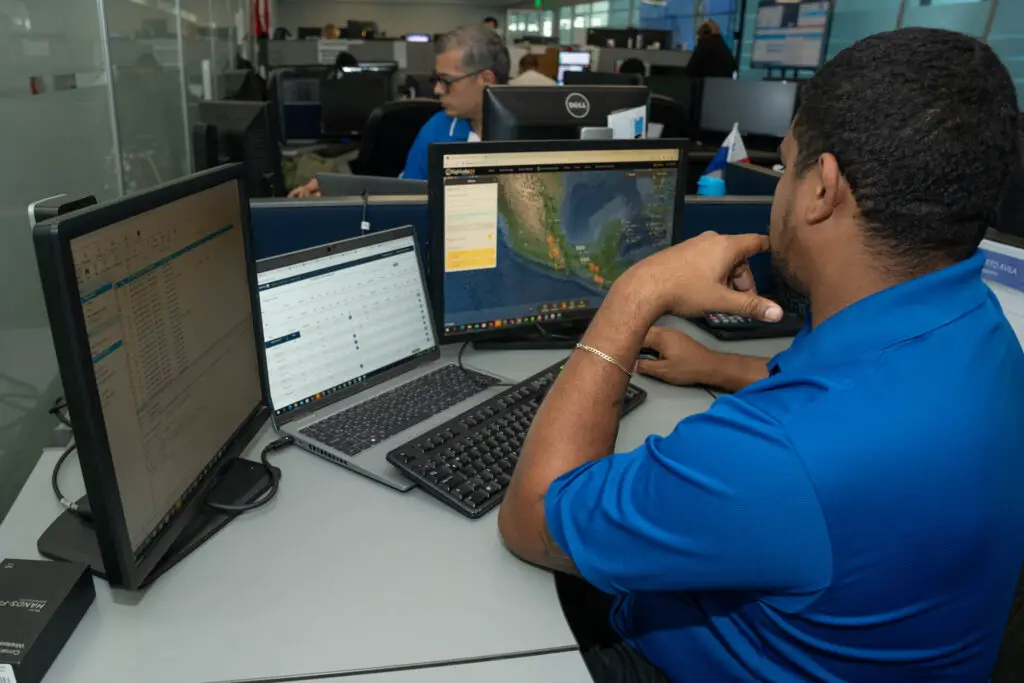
(488, 78)
(825, 183)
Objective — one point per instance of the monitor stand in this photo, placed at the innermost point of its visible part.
(73, 539)
(564, 336)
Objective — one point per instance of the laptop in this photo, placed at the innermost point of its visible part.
(353, 363)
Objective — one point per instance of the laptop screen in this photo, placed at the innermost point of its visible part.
(341, 317)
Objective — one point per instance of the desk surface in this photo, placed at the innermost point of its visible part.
(337, 575)
(565, 667)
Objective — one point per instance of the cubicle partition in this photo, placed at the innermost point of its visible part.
(750, 179)
(283, 225)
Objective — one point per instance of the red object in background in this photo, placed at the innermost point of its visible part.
(260, 18)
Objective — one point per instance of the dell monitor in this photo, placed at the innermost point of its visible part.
(761, 108)
(527, 238)
(150, 302)
(245, 133)
(545, 113)
(578, 78)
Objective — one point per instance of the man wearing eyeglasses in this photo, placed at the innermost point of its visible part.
(468, 59)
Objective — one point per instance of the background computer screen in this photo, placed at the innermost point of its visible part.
(760, 107)
(539, 237)
(572, 61)
(167, 308)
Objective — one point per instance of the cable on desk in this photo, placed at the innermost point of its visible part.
(471, 373)
(274, 473)
(69, 505)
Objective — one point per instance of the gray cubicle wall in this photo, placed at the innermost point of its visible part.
(292, 52)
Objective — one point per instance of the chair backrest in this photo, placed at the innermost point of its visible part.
(390, 133)
(1010, 664)
(674, 116)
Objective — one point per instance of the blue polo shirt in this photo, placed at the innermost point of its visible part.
(440, 128)
(856, 516)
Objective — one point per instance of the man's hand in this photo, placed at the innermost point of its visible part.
(310, 189)
(685, 361)
(706, 274)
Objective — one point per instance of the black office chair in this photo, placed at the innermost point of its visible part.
(390, 132)
(677, 119)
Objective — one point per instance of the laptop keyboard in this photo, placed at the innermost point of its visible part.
(364, 426)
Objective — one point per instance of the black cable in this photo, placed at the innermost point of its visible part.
(69, 505)
(474, 375)
(268, 493)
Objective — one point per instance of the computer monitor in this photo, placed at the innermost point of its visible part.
(545, 113)
(349, 185)
(528, 237)
(150, 302)
(762, 108)
(666, 70)
(245, 133)
(348, 101)
(310, 32)
(572, 61)
(683, 89)
(585, 78)
(609, 37)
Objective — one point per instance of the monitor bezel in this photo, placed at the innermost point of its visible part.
(71, 341)
(435, 213)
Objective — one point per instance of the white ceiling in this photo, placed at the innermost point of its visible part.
(474, 3)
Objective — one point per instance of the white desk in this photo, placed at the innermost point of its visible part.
(564, 667)
(337, 575)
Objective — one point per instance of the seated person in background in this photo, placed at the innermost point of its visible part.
(632, 65)
(468, 59)
(331, 32)
(711, 58)
(853, 513)
(529, 73)
(491, 23)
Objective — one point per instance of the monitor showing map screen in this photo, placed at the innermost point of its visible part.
(532, 234)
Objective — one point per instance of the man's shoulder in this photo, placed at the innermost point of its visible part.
(440, 127)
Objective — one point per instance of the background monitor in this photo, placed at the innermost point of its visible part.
(763, 108)
(683, 89)
(535, 233)
(666, 70)
(244, 133)
(544, 113)
(578, 78)
(310, 32)
(348, 185)
(162, 378)
(347, 102)
(791, 33)
(572, 61)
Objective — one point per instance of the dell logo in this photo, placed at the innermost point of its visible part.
(577, 105)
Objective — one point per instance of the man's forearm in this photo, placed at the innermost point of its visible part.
(733, 372)
(577, 422)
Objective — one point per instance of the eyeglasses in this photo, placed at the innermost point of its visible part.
(446, 82)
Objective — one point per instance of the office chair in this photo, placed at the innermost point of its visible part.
(390, 132)
(676, 118)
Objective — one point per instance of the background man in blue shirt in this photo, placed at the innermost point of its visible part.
(855, 511)
(468, 59)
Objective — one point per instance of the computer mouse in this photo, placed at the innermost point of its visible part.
(647, 353)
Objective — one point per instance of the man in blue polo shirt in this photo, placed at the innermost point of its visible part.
(855, 511)
(468, 59)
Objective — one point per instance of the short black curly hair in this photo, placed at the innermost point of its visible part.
(923, 123)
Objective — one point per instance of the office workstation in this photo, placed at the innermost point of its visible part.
(300, 425)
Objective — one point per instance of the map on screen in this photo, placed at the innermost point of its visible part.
(562, 236)
(585, 226)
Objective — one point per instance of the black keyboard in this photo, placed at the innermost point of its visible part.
(468, 462)
(363, 426)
